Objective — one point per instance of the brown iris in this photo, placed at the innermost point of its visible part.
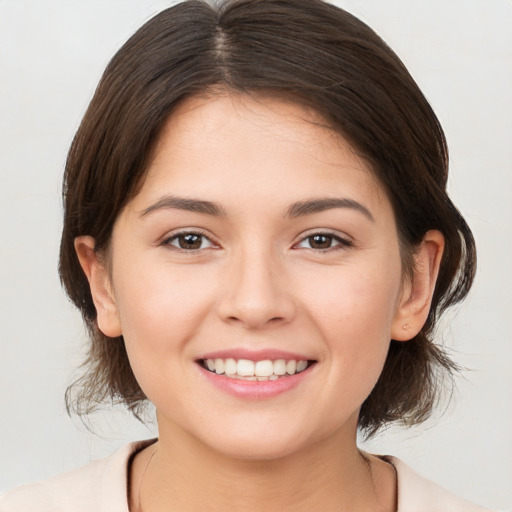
(320, 241)
(190, 241)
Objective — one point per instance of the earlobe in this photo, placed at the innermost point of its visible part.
(417, 292)
(101, 287)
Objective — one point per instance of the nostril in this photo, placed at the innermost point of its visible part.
(255, 320)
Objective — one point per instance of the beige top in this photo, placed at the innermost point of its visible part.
(101, 486)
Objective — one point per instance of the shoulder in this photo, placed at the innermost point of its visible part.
(100, 486)
(419, 494)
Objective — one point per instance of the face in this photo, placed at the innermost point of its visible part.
(256, 278)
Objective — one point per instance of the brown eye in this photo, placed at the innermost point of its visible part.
(324, 242)
(189, 241)
(320, 241)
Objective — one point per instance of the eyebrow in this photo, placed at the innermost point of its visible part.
(298, 209)
(322, 204)
(181, 203)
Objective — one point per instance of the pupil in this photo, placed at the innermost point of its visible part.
(190, 241)
(320, 241)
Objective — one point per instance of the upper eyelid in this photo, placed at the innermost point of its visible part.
(181, 232)
(343, 237)
(327, 232)
(186, 231)
(344, 241)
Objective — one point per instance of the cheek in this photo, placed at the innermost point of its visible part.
(160, 309)
(354, 314)
(361, 302)
(159, 316)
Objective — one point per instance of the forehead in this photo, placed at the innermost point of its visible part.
(232, 144)
(279, 117)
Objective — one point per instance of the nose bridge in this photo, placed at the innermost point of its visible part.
(256, 293)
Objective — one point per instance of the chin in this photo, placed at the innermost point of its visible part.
(257, 450)
(261, 444)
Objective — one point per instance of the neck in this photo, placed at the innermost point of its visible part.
(181, 474)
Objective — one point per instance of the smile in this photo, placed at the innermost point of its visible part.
(264, 370)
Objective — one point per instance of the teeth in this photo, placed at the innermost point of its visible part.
(280, 367)
(291, 366)
(301, 366)
(264, 368)
(250, 370)
(219, 366)
(229, 366)
(244, 368)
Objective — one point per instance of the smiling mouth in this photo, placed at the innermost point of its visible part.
(264, 370)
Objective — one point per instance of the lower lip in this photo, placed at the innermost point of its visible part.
(254, 389)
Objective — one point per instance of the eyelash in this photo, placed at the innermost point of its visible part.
(176, 236)
(342, 243)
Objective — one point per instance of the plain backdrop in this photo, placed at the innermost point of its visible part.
(52, 53)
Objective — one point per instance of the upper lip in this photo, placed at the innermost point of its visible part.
(255, 355)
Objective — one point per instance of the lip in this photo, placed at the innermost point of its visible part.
(253, 389)
(255, 355)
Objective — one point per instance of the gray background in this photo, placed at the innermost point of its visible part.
(52, 53)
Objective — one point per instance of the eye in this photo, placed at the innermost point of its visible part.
(323, 241)
(189, 241)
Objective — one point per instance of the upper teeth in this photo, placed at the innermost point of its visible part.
(255, 370)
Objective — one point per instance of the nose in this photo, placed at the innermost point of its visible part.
(257, 293)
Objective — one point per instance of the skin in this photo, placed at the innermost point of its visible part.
(258, 281)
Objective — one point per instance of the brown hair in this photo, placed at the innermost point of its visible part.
(314, 53)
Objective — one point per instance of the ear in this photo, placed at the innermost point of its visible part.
(101, 287)
(418, 289)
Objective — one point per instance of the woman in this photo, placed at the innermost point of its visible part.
(258, 236)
